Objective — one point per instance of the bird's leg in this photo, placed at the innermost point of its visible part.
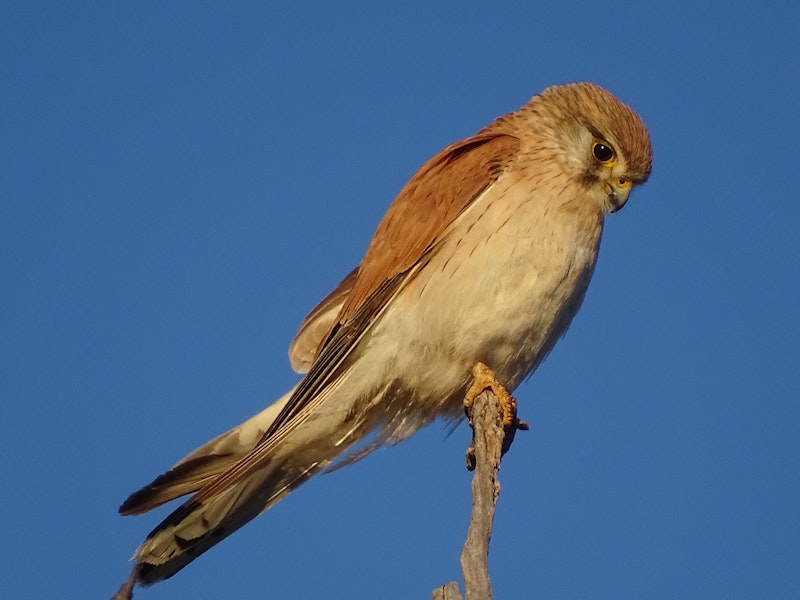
(485, 379)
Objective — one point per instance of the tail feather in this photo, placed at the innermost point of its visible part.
(244, 472)
(216, 510)
(204, 464)
(196, 527)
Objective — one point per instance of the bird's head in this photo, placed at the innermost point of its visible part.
(601, 143)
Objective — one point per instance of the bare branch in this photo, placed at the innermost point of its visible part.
(487, 447)
(449, 591)
(125, 592)
(487, 443)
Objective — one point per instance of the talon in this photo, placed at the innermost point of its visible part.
(484, 378)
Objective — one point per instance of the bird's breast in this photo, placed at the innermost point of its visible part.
(501, 287)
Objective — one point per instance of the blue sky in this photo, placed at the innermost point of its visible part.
(181, 182)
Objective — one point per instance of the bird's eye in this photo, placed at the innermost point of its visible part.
(604, 153)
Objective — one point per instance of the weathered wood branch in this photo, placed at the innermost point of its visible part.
(487, 445)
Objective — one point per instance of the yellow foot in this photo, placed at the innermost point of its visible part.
(485, 379)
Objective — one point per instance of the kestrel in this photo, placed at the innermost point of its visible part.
(484, 256)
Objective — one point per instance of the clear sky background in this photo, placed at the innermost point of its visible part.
(182, 181)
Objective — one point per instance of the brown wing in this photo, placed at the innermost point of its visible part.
(204, 464)
(446, 185)
(318, 324)
(431, 199)
(421, 214)
(428, 203)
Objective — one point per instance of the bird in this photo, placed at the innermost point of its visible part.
(484, 257)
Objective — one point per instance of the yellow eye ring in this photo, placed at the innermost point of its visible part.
(604, 153)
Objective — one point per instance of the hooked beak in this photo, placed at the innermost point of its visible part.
(618, 190)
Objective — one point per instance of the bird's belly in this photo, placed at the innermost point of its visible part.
(497, 294)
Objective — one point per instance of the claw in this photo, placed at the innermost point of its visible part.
(483, 379)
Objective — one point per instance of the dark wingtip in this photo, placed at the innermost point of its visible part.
(184, 478)
(147, 498)
(133, 503)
